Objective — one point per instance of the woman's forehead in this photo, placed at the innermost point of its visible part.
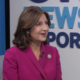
(42, 18)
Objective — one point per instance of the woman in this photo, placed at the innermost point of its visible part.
(31, 58)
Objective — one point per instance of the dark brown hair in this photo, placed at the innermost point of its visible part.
(28, 18)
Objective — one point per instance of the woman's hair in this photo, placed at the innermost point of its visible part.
(28, 18)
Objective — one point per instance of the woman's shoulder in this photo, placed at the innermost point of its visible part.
(49, 47)
(52, 50)
(12, 50)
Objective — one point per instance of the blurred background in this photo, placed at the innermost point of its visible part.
(64, 32)
(4, 30)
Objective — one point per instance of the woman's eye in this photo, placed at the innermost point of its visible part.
(47, 23)
(38, 24)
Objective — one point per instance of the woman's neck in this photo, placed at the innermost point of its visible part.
(35, 46)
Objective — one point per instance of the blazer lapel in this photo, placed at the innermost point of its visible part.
(44, 56)
(35, 61)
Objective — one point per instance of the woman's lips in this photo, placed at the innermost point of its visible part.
(43, 34)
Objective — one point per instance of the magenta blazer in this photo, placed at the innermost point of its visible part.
(23, 65)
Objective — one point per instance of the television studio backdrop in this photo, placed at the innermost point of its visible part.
(64, 32)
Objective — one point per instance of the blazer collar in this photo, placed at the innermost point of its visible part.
(38, 64)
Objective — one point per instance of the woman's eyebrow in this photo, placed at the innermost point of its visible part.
(46, 20)
(39, 22)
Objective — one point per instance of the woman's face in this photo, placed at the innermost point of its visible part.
(40, 30)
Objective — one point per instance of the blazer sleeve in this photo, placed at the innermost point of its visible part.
(10, 70)
(58, 67)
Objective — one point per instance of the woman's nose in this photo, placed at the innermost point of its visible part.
(45, 27)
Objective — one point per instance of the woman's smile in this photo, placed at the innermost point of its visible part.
(43, 34)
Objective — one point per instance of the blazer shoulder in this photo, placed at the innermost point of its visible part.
(51, 48)
(13, 50)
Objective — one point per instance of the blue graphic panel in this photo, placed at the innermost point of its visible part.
(64, 0)
(79, 17)
(66, 15)
(2, 27)
(49, 9)
(38, 1)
